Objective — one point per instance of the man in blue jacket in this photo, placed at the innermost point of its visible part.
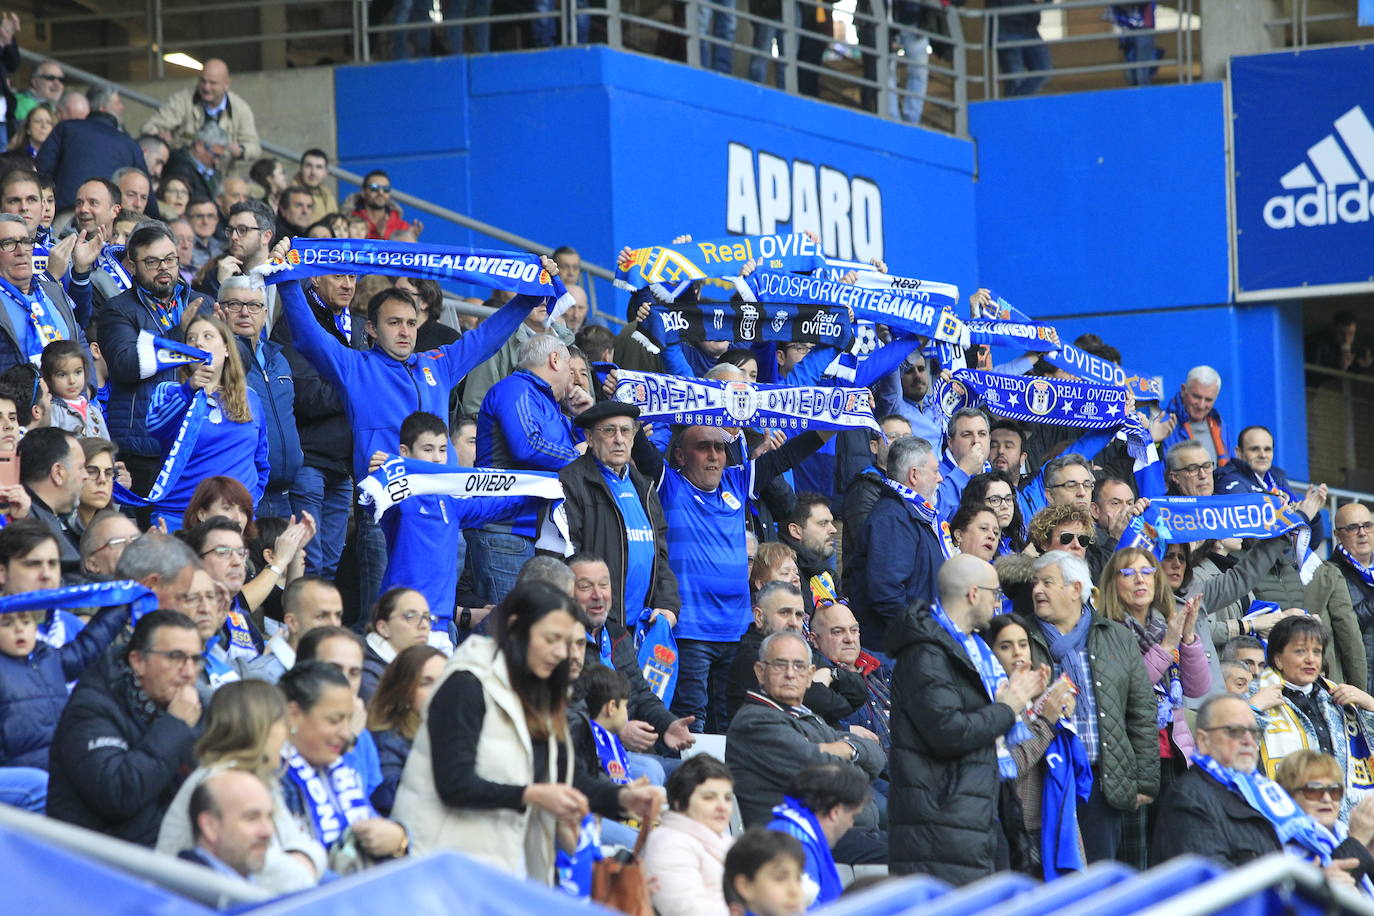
(158, 305)
(382, 386)
(269, 374)
(521, 426)
(78, 149)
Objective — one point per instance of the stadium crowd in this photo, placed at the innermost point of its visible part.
(946, 644)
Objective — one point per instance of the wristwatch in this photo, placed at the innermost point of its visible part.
(465, 619)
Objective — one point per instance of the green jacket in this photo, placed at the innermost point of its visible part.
(1128, 760)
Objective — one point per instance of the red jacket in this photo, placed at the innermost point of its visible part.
(394, 223)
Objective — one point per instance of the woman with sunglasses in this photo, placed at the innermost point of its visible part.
(1314, 780)
(1134, 593)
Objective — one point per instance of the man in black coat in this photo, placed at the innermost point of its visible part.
(632, 539)
(126, 738)
(1200, 815)
(946, 732)
(94, 146)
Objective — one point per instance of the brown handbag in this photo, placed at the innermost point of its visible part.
(619, 882)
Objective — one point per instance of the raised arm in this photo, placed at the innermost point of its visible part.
(330, 358)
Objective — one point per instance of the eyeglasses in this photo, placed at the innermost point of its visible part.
(200, 599)
(1195, 470)
(803, 347)
(781, 665)
(382, 188)
(995, 501)
(413, 617)
(177, 658)
(1077, 486)
(1084, 540)
(155, 263)
(996, 592)
(1131, 572)
(224, 550)
(118, 542)
(1357, 528)
(52, 78)
(612, 432)
(96, 473)
(241, 230)
(1315, 791)
(1237, 732)
(239, 305)
(9, 245)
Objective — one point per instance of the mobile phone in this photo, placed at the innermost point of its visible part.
(9, 470)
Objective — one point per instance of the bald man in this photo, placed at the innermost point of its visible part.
(231, 821)
(187, 110)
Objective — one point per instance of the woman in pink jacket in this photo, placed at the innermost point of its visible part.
(685, 857)
(1133, 591)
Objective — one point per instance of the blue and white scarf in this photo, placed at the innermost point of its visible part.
(1232, 515)
(926, 513)
(163, 353)
(1366, 573)
(45, 323)
(611, 753)
(514, 271)
(673, 265)
(177, 457)
(165, 316)
(334, 800)
(604, 649)
(911, 314)
(343, 318)
(938, 294)
(1277, 806)
(1021, 335)
(111, 261)
(824, 325)
(218, 669)
(140, 599)
(993, 675)
(800, 821)
(402, 478)
(707, 402)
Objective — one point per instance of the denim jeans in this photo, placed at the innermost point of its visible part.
(24, 787)
(496, 559)
(327, 496)
(408, 11)
(718, 57)
(703, 668)
(546, 32)
(274, 505)
(369, 547)
(764, 36)
(646, 765)
(481, 31)
(1021, 60)
(916, 57)
(1140, 48)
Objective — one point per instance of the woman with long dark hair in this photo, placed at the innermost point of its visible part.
(997, 490)
(393, 714)
(494, 773)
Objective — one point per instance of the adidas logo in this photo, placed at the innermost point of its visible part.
(1326, 204)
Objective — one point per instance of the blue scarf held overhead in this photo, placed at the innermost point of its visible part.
(1068, 780)
(1234, 515)
(824, 325)
(514, 271)
(911, 314)
(334, 800)
(140, 599)
(707, 402)
(715, 258)
(45, 323)
(611, 753)
(993, 675)
(658, 658)
(1269, 799)
(177, 457)
(799, 821)
(926, 513)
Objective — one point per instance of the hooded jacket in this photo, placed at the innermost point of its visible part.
(942, 807)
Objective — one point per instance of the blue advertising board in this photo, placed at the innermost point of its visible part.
(1303, 174)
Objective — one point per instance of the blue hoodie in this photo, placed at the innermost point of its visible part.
(379, 391)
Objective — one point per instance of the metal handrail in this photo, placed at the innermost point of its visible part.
(410, 200)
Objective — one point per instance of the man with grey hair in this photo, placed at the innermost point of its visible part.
(198, 163)
(507, 359)
(966, 454)
(1115, 710)
(1069, 480)
(521, 426)
(88, 145)
(1190, 469)
(902, 543)
(186, 111)
(155, 153)
(73, 107)
(551, 571)
(1196, 418)
(134, 189)
(45, 85)
(163, 564)
(17, 342)
(774, 734)
(242, 305)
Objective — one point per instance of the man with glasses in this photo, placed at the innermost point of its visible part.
(1353, 558)
(1069, 480)
(103, 543)
(127, 736)
(956, 711)
(837, 637)
(241, 302)
(1196, 417)
(158, 304)
(250, 230)
(774, 734)
(382, 216)
(1206, 812)
(45, 85)
(198, 165)
(614, 512)
(187, 111)
(34, 309)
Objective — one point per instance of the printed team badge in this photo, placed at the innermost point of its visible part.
(429, 378)
(953, 397)
(1040, 397)
(215, 415)
(293, 257)
(616, 770)
(741, 400)
(779, 321)
(729, 499)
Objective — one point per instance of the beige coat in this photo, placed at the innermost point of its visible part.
(520, 843)
(181, 116)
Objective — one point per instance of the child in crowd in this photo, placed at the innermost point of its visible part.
(63, 366)
(607, 694)
(763, 872)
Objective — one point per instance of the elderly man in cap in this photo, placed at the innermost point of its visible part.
(614, 512)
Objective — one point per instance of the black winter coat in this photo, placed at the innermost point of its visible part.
(1199, 815)
(843, 696)
(115, 768)
(645, 705)
(1362, 599)
(942, 807)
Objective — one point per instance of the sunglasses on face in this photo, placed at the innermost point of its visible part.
(1084, 540)
(1316, 791)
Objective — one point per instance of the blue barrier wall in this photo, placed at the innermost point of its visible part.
(1105, 211)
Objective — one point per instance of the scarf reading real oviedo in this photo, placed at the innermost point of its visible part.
(707, 402)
